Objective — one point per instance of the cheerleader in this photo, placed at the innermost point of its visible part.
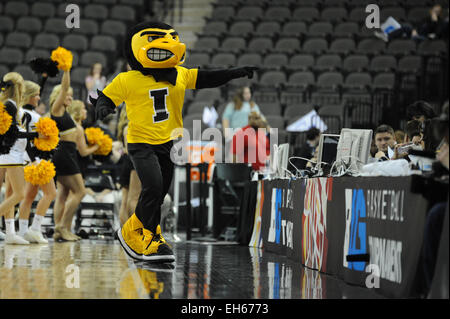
(70, 184)
(12, 149)
(33, 234)
(129, 180)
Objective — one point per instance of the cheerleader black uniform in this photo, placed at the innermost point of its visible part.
(66, 154)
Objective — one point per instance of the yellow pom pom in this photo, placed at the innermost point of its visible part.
(40, 174)
(5, 120)
(47, 127)
(95, 135)
(64, 58)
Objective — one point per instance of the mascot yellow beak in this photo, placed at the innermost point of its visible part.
(158, 48)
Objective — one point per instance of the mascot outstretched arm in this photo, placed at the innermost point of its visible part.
(153, 92)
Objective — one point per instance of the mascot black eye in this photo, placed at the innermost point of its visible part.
(153, 37)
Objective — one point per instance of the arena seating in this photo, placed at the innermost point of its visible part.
(318, 53)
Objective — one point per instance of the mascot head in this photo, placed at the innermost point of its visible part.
(153, 45)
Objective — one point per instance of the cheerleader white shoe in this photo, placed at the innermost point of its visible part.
(34, 236)
(15, 239)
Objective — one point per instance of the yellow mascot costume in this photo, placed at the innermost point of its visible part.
(153, 92)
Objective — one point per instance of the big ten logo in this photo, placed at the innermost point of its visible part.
(373, 19)
(355, 228)
(73, 19)
(201, 154)
(72, 276)
(280, 280)
(281, 230)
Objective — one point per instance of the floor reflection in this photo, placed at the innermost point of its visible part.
(99, 269)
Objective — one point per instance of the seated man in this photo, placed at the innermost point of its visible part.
(308, 151)
(251, 145)
(384, 138)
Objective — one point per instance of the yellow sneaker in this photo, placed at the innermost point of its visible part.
(132, 238)
(156, 249)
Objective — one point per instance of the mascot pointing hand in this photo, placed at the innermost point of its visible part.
(154, 95)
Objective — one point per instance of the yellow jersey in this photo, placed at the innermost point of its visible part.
(153, 108)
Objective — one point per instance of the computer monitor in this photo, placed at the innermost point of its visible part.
(327, 151)
(353, 149)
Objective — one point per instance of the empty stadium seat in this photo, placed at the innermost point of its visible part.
(95, 11)
(277, 13)
(275, 121)
(301, 79)
(269, 108)
(275, 60)
(342, 46)
(345, 29)
(56, 25)
(432, 47)
(18, 40)
(78, 75)
(293, 28)
(301, 62)
(315, 46)
(320, 29)
(240, 28)
(249, 13)
(336, 14)
(416, 15)
(76, 42)
(360, 81)
(46, 41)
(401, 47)
(10, 56)
(36, 53)
(16, 9)
(197, 59)
(272, 78)
(88, 27)
(233, 44)
(383, 63)
(223, 60)
(43, 10)
(26, 72)
(371, 46)
(104, 43)
(206, 44)
(329, 80)
(306, 14)
(397, 13)
(114, 28)
(287, 45)
(208, 95)
(3, 69)
(384, 81)
(222, 13)
(295, 111)
(357, 14)
(328, 62)
(6, 24)
(260, 45)
(29, 24)
(410, 64)
(249, 59)
(124, 13)
(355, 63)
(89, 58)
(214, 28)
(268, 29)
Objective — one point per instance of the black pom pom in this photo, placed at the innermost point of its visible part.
(44, 65)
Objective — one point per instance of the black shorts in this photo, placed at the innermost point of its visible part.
(66, 159)
(125, 171)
